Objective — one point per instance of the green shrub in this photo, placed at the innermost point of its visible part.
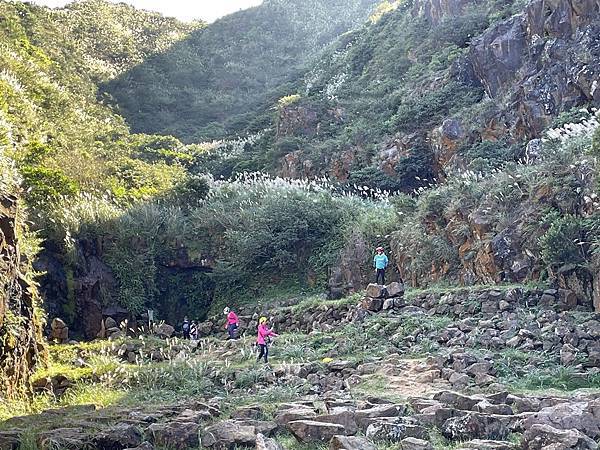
(487, 155)
(431, 106)
(46, 185)
(190, 191)
(565, 242)
(574, 115)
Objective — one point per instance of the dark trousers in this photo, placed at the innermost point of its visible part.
(186, 334)
(231, 330)
(380, 274)
(264, 352)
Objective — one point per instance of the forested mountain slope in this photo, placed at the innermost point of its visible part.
(214, 82)
(51, 122)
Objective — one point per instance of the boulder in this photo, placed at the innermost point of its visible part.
(485, 406)
(475, 426)
(118, 437)
(57, 324)
(480, 444)
(395, 432)
(67, 438)
(459, 380)
(545, 437)
(311, 431)
(109, 323)
(143, 446)
(164, 330)
(228, 433)
(437, 415)
(582, 416)
(10, 440)
(350, 443)
(411, 443)
(295, 413)
(372, 304)
(567, 298)
(395, 289)
(344, 418)
(456, 400)
(388, 304)
(480, 368)
(568, 354)
(175, 435)
(263, 443)
(365, 417)
(248, 412)
(376, 291)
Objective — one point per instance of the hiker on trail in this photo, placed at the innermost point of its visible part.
(380, 262)
(194, 330)
(264, 333)
(186, 328)
(232, 322)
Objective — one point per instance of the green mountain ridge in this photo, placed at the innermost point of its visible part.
(214, 82)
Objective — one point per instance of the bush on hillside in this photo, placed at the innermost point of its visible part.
(44, 185)
(566, 242)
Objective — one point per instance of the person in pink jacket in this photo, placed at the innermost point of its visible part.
(232, 322)
(263, 339)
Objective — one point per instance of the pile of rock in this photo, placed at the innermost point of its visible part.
(59, 331)
(379, 297)
(545, 422)
(321, 317)
(489, 302)
(145, 428)
(112, 330)
(572, 338)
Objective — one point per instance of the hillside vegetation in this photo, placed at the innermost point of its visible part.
(213, 83)
(147, 164)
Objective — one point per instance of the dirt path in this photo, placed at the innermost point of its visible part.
(408, 378)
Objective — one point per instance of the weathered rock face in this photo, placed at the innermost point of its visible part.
(445, 141)
(297, 119)
(85, 292)
(546, 58)
(78, 291)
(435, 10)
(21, 347)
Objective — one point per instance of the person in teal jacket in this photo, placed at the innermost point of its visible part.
(380, 262)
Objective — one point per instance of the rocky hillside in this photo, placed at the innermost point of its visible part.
(22, 347)
(505, 377)
(428, 88)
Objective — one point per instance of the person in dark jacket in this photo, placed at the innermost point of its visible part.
(186, 327)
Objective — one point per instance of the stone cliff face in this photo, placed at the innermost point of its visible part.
(21, 348)
(545, 61)
(436, 10)
(532, 67)
(77, 290)
(83, 290)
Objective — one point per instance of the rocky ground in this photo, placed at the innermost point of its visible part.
(510, 368)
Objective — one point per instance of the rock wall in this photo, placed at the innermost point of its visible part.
(546, 60)
(435, 10)
(21, 348)
(83, 291)
(77, 291)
